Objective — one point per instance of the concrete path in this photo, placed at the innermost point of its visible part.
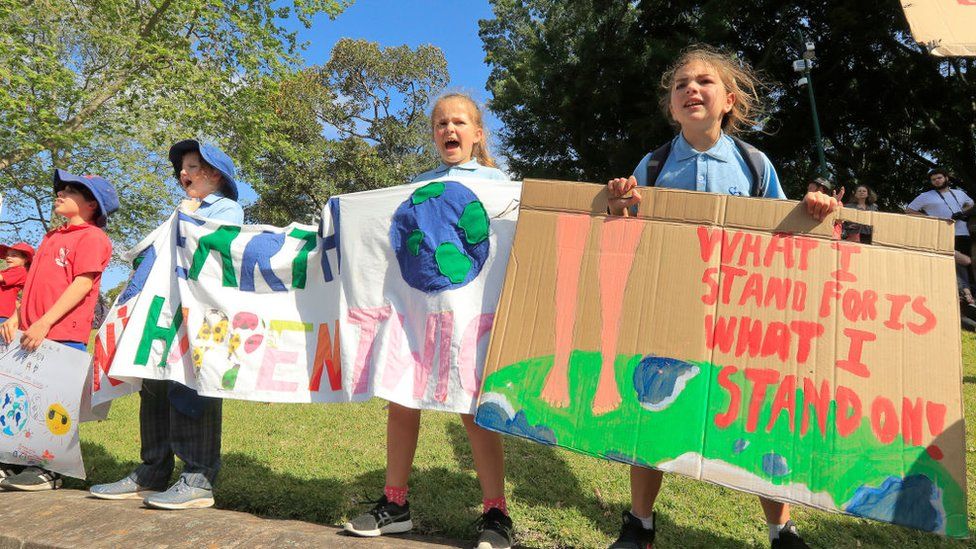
(69, 518)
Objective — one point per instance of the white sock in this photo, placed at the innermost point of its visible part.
(774, 530)
(647, 523)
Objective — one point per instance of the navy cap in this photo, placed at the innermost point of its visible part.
(211, 155)
(824, 182)
(104, 192)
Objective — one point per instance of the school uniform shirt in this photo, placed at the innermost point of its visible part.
(471, 168)
(942, 205)
(721, 169)
(219, 207)
(13, 281)
(64, 254)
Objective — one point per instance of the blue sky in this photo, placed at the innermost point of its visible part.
(442, 23)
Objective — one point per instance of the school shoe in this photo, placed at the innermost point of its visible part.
(494, 530)
(789, 538)
(385, 517)
(6, 472)
(32, 479)
(126, 488)
(633, 535)
(181, 496)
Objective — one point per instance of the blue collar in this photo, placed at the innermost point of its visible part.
(470, 165)
(212, 197)
(721, 150)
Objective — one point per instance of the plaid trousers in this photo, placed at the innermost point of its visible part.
(165, 432)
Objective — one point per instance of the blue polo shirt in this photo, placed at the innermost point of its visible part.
(219, 207)
(721, 169)
(471, 168)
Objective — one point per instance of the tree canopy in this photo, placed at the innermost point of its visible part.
(104, 86)
(576, 85)
(358, 122)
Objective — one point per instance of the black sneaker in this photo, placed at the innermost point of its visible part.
(633, 535)
(384, 518)
(789, 538)
(494, 530)
(32, 479)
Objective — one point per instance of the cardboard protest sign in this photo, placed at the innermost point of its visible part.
(40, 396)
(945, 27)
(394, 297)
(732, 340)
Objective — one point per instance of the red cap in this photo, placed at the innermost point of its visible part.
(21, 247)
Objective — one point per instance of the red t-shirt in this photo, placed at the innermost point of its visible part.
(63, 255)
(13, 281)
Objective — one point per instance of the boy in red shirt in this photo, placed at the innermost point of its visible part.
(61, 289)
(18, 258)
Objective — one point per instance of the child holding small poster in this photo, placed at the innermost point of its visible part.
(459, 136)
(61, 288)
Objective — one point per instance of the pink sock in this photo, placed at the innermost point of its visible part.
(496, 503)
(396, 495)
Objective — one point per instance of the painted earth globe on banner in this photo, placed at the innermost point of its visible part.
(440, 237)
(13, 410)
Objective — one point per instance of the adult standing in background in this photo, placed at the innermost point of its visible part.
(863, 198)
(944, 202)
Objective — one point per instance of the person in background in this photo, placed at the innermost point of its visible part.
(865, 199)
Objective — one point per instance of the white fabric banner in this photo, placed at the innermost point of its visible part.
(393, 296)
(40, 399)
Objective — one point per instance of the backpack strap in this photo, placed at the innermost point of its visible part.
(656, 162)
(757, 166)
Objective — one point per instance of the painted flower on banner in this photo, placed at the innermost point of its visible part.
(440, 237)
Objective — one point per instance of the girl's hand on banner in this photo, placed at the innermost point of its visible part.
(819, 205)
(623, 195)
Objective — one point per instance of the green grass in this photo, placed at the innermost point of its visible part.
(313, 462)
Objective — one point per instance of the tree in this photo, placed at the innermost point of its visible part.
(105, 86)
(354, 124)
(577, 87)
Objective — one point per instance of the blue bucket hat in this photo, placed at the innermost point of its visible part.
(103, 191)
(211, 155)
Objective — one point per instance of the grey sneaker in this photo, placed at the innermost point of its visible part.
(32, 479)
(126, 488)
(384, 518)
(181, 496)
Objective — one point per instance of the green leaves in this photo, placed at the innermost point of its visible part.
(577, 86)
(359, 122)
(105, 86)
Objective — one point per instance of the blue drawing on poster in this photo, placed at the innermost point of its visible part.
(14, 408)
(440, 237)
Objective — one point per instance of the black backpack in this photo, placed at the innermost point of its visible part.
(752, 156)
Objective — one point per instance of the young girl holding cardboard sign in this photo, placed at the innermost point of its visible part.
(710, 98)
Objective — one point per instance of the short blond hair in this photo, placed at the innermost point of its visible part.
(480, 150)
(737, 76)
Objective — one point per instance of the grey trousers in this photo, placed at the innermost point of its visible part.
(167, 432)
